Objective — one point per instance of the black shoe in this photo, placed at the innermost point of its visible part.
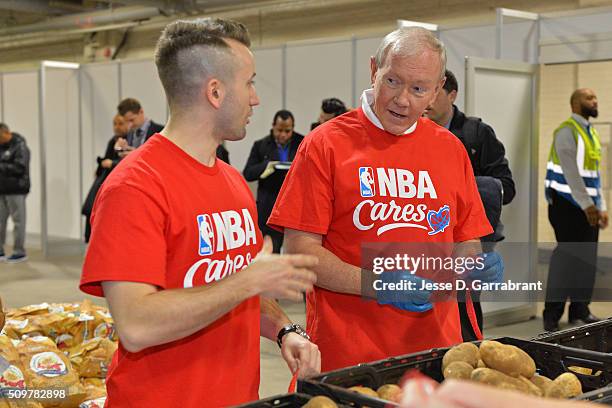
(551, 326)
(590, 318)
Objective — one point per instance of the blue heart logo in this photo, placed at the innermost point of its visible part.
(438, 220)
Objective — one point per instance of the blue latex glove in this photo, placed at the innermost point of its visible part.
(410, 300)
(493, 271)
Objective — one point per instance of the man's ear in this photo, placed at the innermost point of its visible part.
(452, 95)
(215, 92)
(440, 84)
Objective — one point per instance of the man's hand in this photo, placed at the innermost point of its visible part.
(592, 215)
(300, 354)
(492, 271)
(282, 276)
(603, 219)
(121, 143)
(413, 299)
(268, 170)
(106, 163)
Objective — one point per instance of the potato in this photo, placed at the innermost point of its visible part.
(390, 392)
(499, 380)
(364, 391)
(320, 401)
(581, 370)
(531, 387)
(567, 385)
(541, 382)
(481, 364)
(506, 358)
(459, 370)
(466, 352)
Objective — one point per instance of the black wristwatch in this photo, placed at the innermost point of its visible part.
(290, 328)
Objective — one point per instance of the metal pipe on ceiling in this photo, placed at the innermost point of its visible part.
(86, 20)
(30, 6)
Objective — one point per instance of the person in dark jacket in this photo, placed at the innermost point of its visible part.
(14, 187)
(493, 176)
(330, 108)
(223, 154)
(268, 164)
(140, 127)
(105, 165)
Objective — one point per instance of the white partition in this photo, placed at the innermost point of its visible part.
(21, 115)
(62, 156)
(365, 49)
(315, 72)
(504, 94)
(269, 86)
(99, 99)
(519, 43)
(139, 80)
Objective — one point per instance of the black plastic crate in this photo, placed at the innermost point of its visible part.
(594, 336)
(551, 360)
(296, 400)
(601, 396)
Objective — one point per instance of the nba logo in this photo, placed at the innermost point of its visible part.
(366, 182)
(206, 235)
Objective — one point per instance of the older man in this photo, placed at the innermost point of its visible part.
(381, 173)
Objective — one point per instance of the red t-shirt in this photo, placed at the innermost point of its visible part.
(342, 185)
(165, 219)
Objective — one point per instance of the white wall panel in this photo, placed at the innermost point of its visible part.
(61, 106)
(366, 48)
(316, 72)
(139, 80)
(20, 94)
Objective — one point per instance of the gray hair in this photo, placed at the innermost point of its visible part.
(408, 42)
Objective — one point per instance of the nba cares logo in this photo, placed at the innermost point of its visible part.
(366, 182)
(206, 235)
(438, 220)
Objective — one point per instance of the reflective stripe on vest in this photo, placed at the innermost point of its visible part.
(588, 157)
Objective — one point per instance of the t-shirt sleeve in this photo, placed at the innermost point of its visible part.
(305, 201)
(128, 240)
(472, 222)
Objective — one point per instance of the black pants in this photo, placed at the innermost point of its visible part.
(571, 273)
(467, 331)
(277, 237)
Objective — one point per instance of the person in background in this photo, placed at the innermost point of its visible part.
(14, 187)
(266, 155)
(106, 164)
(330, 108)
(576, 210)
(223, 154)
(140, 127)
(493, 176)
